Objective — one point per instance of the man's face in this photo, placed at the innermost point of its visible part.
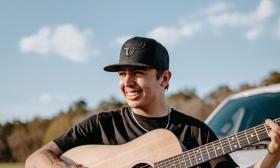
(140, 87)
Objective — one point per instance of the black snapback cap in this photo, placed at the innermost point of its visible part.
(141, 52)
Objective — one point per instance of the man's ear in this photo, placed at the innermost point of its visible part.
(166, 75)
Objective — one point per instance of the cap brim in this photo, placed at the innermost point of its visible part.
(117, 67)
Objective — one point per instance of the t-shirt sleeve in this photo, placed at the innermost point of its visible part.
(80, 134)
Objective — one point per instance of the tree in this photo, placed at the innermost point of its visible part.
(189, 103)
(245, 86)
(273, 78)
(218, 95)
(5, 152)
(112, 103)
(26, 138)
(65, 120)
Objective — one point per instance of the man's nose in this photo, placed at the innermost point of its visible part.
(129, 80)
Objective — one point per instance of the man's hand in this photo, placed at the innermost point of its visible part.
(274, 146)
(78, 166)
(273, 157)
(48, 156)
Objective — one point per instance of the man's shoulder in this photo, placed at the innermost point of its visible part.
(187, 119)
(197, 127)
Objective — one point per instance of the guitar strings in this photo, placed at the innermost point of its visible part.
(255, 131)
(258, 130)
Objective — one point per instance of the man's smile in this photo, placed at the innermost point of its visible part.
(133, 94)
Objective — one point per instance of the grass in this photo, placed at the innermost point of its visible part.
(11, 165)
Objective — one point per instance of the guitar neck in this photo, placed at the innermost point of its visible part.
(217, 148)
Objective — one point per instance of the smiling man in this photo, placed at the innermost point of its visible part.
(144, 75)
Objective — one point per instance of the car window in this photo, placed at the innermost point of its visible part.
(243, 113)
(232, 124)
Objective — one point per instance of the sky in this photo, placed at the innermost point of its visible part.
(52, 53)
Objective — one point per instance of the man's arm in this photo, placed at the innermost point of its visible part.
(273, 156)
(48, 156)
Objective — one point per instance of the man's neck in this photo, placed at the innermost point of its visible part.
(158, 111)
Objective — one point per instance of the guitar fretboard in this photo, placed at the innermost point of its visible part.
(217, 148)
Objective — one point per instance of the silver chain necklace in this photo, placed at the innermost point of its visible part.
(132, 114)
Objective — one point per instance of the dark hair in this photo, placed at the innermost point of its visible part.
(159, 74)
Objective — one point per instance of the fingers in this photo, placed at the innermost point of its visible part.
(275, 127)
(274, 134)
(78, 166)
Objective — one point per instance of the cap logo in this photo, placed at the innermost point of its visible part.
(130, 50)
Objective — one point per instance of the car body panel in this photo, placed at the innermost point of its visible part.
(242, 111)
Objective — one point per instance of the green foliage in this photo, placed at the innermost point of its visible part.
(59, 125)
(273, 78)
(246, 86)
(188, 102)
(110, 104)
(11, 165)
(65, 121)
(5, 152)
(26, 138)
(218, 95)
(185, 94)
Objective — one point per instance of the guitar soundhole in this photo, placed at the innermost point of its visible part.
(141, 165)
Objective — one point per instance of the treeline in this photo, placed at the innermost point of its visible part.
(18, 140)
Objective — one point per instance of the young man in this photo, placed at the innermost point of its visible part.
(144, 76)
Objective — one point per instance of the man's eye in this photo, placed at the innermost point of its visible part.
(121, 74)
(139, 72)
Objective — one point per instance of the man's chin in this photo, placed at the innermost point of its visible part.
(133, 104)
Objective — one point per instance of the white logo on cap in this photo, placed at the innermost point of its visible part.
(130, 50)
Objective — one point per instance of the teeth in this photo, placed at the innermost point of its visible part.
(132, 93)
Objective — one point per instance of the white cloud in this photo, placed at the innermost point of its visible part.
(120, 40)
(228, 19)
(254, 33)
(50, 98)
(220, 15)
(45, 99)
(253, 21)
(38, 43)
(65, 40)
(188, 30)
(173, 35)
(167, 36)
(264, 11)
(216, 8)
(216, 17)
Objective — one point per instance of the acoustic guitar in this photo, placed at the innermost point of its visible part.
(161, 149)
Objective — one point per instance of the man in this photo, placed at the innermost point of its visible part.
(144, 76)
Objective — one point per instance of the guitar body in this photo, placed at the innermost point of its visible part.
(147, 149)
(161, 146)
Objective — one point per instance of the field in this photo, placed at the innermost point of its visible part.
(11, 165)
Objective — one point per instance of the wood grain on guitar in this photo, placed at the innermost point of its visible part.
(161, 149)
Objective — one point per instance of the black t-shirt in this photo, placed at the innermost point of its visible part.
(119, 127)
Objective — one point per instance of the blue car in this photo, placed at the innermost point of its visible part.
(243, 111)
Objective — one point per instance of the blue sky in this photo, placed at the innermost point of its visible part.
(52, 53)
